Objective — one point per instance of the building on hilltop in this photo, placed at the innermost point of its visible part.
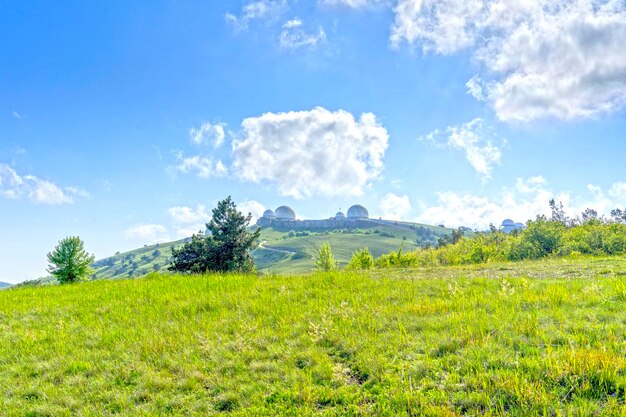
(509, 225)
(358, 212)
(285, 217)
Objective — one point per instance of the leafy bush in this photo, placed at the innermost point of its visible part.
(325, 261)
(361, 259)
(541, 238)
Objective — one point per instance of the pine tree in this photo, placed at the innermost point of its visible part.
(225, 248)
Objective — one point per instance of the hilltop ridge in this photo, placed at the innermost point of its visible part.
(286, 250)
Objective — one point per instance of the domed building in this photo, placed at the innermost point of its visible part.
(285, 213)
(340, 216)
(269, 214)
(358, 212)
(509, 225)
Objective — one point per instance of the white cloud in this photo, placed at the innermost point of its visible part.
(151, 233)
(294, 36)
(202, 166)
(473, 139)
(188, 215)
(618, 192)
(544, 59)
(208, 133)
(16, 115)
(184, 232)
(353, 4)
(316, 152)
(37, 190)
(395, 207)
(528, 198)
(45, 192)
(253, 207)
(256, 10)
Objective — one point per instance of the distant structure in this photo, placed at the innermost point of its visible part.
(285, 216)
(509, 225)
(358, 212)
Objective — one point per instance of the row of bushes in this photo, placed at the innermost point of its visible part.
(541, 238)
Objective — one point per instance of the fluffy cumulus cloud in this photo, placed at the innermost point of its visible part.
(208, 133)
(395, 207)
(201, 166)
(475, 141)
(256, 10)
(148, 233)
(525, 200)
(295, 36)
(37, 190)
(189, 215)
(316, 152)
(253, 207)
(543, 59)
(188, 220)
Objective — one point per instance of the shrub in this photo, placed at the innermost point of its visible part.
(325, 260)
(361, 259)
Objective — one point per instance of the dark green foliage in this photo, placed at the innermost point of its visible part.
(225, 249)
(618, 215)
(452, 238)
(69, 262)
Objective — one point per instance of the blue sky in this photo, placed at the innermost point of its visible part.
(125, 122)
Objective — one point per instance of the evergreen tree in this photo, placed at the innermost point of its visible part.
(69, 262)
(225, 248)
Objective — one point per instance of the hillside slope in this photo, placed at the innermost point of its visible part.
(4, 284)
(284, 251)
(518, 339)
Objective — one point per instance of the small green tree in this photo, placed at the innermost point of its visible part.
(69, 262)
(325, 261)
(225, 248)
(361, 259)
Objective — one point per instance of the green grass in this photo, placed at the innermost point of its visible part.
(523, 339)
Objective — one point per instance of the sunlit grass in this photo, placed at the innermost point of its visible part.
(542, 338)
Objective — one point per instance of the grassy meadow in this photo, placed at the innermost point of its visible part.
(521, 339)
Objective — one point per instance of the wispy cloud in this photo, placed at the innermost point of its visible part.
(208, 133)
(35, 189)
(149, 233)
(201, 166)
(256, 10)
(294, 36)
(475, 141)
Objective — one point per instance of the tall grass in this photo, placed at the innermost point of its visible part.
(439, 342)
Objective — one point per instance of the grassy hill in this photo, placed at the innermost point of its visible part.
(522, 339)
(283, 250)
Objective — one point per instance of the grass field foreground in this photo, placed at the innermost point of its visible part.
(532, 338)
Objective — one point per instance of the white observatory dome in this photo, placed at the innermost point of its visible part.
(285, 213)
(358, 212)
